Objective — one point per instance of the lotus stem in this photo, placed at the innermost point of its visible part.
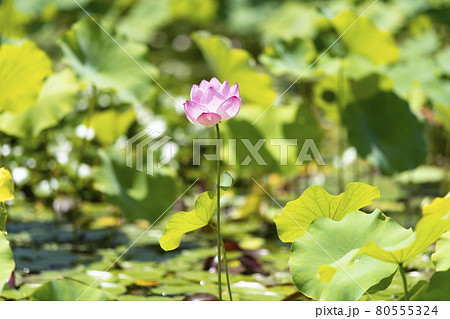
(225, 262)
(405, 283)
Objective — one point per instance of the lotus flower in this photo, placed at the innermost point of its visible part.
(212, 102)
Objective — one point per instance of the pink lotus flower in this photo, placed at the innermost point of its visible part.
(212, 102)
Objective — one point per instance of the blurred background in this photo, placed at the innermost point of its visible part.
(72, 92)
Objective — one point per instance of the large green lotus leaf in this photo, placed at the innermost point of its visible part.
(6, 261)
(383, 129)
(109, 125)
(322, 262)
(434, 223)
(67, 290)
(143, 20)
(441, 258)
(184, 222)
(12, 21)
(56, 99)
(235, 65)
(95, 57)
(22, 72)
(366, 39)
(137, 194)
(288, 57)
(437, 289)
(316, 202)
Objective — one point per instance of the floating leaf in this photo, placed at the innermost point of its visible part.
(236, 65)
(383, 129)
(322, 262)
(434, 223)
(366, 39)
(113, 289)
(109, 125)
(288, 57)
(68, 290)
(6, 261)
(22, 72)
(95, 57)
(56, 100)
(315, 202)
(11, 293)
(184, 222)
(441, 258)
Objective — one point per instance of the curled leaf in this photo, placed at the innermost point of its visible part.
(184, 222)
(434, 223)
(316, 202)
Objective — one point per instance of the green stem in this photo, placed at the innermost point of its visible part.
(446, 180)
(341, 135)
(226, 263)
(226, 270)
(219, 257)
(3, 217)
(405, 284)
